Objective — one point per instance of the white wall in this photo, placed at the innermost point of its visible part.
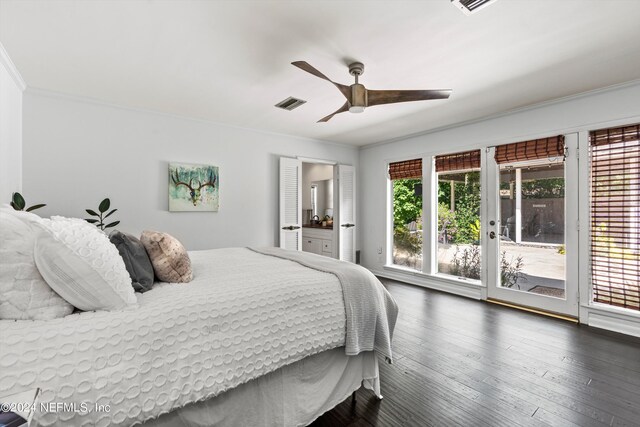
(11, 88)
(76, 152)
(617, 105)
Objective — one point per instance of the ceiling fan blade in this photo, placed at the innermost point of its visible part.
(342, 109)
(378, 97)
(345, 90)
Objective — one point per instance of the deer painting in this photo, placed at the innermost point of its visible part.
(193, 185)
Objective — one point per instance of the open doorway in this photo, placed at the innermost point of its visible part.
(317, 209)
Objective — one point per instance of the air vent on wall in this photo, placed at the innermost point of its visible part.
(471, 6)
(290, 103)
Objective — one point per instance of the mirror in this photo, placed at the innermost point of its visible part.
(322, 198)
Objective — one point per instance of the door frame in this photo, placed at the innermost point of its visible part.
(491, 261)
(337, 243)
(335, 235)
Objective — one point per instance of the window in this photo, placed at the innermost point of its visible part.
(406, 179)
(615, 216)
(458, 225)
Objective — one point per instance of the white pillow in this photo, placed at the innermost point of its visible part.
(23, 292)
(80, 263)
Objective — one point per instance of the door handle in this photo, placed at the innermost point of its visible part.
(492, 235)
(291, 227)
(348, 225)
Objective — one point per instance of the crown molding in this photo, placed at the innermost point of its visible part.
(8, 65)
(513, 111)
(95, 101)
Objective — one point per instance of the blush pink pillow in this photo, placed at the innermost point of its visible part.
(170, 260)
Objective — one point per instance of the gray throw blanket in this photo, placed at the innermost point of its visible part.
(371, 311)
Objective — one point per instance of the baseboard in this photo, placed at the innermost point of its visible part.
(613, 322)
(465, 290)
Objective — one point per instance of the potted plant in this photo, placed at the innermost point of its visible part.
(18, 203)
(101, 215)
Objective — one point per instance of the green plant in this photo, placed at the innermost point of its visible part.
(18, 203)
(460, 226)
(475, 230)
(466, 263)
(102, 215)
(407, 206)
(447, 225)
(407, 241)
(510, 271)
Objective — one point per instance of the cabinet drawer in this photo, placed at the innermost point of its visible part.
(327, 246)
(312, 245)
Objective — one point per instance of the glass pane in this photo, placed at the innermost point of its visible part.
(532, 251)
(407, 223)
(459, 224)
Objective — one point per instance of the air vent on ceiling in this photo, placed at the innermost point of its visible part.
(290, 103)
(471, 6)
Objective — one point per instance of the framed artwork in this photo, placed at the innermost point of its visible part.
(193, 188)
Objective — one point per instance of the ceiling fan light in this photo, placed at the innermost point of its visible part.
(356, 109)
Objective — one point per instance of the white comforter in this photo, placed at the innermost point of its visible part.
(243, 315)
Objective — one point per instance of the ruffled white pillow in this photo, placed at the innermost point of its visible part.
(23, 292)
(80, 263)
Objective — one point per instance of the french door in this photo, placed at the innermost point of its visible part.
(530, 227)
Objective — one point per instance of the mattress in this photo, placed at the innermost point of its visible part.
(243, 316)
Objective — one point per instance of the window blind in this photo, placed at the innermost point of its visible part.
(458, 161)
(534, 149)
(407, 169)
(615, 216)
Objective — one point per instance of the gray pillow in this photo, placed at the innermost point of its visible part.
(135, 259)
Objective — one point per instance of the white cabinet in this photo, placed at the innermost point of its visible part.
(318, 241)
(310, 244)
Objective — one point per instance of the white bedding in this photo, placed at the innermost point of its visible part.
(293, 395)
(243, 315)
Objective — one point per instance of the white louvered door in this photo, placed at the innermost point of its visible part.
(290, 204)
(347, 212)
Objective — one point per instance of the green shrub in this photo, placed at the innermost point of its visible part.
(466, 263)
(510, 271)
(407, 241)
(446, 222)
(407, 206)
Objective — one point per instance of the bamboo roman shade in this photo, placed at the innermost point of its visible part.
(534, 149)
(458, 161)
(407, 169)
(615, 216)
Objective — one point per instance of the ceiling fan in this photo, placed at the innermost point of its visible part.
(359, 97)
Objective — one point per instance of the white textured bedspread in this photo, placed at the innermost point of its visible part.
(244, 315)
(371, 311)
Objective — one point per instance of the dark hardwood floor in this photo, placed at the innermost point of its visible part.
(471, 363)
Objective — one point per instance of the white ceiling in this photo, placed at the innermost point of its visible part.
(229, 61)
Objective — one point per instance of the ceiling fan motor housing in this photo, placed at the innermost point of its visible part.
(358, 98)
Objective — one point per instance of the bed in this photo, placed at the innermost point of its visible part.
(259, 334)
